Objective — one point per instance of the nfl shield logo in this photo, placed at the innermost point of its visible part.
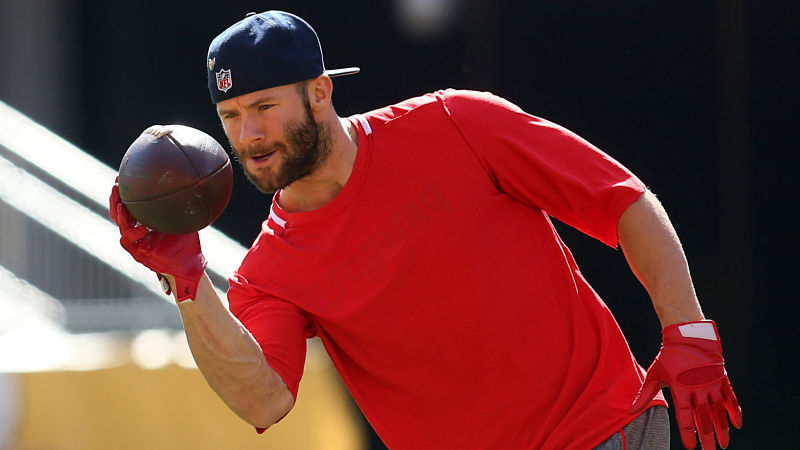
(224, 80)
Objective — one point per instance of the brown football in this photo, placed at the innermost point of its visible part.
(175, 179)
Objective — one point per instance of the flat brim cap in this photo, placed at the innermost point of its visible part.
(264, 50)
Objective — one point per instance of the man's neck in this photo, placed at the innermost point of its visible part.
(322, 186)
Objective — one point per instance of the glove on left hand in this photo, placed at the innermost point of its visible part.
(690, 363)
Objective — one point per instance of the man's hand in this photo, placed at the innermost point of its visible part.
(177, 255)
(690, 363)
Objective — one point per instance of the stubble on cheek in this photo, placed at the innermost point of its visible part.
(306, 149)
(264, 178)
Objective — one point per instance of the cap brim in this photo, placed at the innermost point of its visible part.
(342, 72)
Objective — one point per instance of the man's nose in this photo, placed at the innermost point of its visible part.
(251, 130)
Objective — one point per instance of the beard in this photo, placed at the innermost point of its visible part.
(307, 146)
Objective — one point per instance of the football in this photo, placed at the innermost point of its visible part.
(175, 179)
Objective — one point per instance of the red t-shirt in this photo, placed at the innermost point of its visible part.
(453, 311)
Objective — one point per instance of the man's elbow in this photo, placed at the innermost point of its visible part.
(266, 412)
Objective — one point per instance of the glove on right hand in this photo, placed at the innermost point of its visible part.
(178, 255)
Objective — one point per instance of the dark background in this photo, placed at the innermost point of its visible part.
(696, 97)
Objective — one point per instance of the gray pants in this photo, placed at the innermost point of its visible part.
(648, 431)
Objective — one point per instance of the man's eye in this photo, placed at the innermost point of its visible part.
(264, 107)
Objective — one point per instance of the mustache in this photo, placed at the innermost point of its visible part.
(258, 149)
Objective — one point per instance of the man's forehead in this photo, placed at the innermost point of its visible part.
(253, 98)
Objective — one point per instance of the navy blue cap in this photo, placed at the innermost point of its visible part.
(264, 50)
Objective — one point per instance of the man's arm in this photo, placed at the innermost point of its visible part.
(690, 362)
(656, 257)
(231, 360)
(226, 353)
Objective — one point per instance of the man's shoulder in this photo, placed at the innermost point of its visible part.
(461, 100)
(443, 100)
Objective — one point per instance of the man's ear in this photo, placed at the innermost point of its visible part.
(320, 90)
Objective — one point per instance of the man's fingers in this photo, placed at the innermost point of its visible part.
(125, 218)
(131, 235)
(732, 405)
(720, 417)
(684, 416)
(707, 441)
(704, 423)
(113, 201)
(688, 437)
(649, 389)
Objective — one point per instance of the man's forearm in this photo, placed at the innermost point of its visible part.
(232, 361)
(656, 257)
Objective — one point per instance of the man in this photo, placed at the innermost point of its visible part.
(415, 241)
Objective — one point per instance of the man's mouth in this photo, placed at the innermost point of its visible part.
(261, 157)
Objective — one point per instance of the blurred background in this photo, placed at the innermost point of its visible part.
(696, 97)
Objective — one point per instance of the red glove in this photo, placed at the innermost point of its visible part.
(690, 363)
(178, 255)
